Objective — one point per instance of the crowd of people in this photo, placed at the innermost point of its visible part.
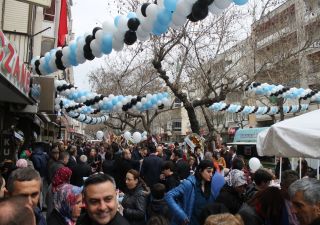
(112, 183)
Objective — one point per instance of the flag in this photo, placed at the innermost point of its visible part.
(63, 24)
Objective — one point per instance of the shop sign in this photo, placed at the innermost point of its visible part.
(11, 67)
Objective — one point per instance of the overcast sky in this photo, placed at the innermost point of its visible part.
(86, 15)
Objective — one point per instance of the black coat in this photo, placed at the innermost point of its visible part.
(230, 198)
(182, 169)
(159, 208)
(72, 163)
(117, 220)
(108, 167)
(135, 206)
(171, 182)
(151, 169)
(56, 219)
(78, 172)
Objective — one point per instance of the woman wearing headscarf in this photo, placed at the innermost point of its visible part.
(62, 176)
(232, 194)
(188, 199)
(67, 203)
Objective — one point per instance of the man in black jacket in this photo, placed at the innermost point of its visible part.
(81, 170)
(151, 167)
(100, 197)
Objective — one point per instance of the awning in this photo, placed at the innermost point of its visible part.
(247, 136)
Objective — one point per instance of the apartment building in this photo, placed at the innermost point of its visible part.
(286, 47)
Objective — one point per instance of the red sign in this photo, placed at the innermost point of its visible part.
(11, 68)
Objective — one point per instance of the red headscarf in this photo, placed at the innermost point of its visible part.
(62, 176)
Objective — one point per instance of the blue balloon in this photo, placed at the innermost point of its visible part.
(131, 15)
(116, 20)
(159, 29)
(73, 54)
(114, 101)
(170, 5)
(164, 18)
(240, 2)
(107, 106)
(106, 45)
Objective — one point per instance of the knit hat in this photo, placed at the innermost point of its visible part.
(22, 163)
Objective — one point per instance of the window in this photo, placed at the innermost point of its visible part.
(46, 44)
(177, 103)
(50, 12)
(176, 125)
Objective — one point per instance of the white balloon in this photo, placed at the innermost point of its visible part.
(222, 4)
(152, 11)
(160, 3)
(166, 102)
(123, 24)
(143, 100)
(96, 50)
(183, 9)
(254, 164)
(52, 63)
(149, 96)
(117, 45)
(127, 135)
(136, 137)
(108, 26)
(214, 9)
(99, 35)
(139, 104)
(99, 135)
(142, 35)
(147, 26)
(178, 20)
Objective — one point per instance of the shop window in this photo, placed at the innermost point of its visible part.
(50, 12)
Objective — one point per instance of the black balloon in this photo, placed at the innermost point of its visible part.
(87, 52)
(59, 63)
(94, 31)
(206, 2)
(37, 64)
(89, 38)
(199, 11)
(191, 18)
(133, 24)
(144, 8)
(130, 37)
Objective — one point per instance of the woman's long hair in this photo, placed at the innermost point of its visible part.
(204, 164)
(269, 204)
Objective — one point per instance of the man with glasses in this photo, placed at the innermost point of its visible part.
(100, 197)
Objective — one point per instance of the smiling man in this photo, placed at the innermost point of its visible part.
(305, 197)
(101, 202)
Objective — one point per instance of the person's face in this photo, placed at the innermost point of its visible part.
(29, 189)
(101, 202)
(191, 161)
(206, 174)
(3, 188)
(61, 146)
(76, 209)
(130, 181)
(159, 151)
(166, 172)
(241, 189)
(66, 160)
(55, 156)
(93, 152)
(127, 154)
(144, 152)
(305, 212)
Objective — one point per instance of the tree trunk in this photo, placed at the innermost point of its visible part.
(194, 123)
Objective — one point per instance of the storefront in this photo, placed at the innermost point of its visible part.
(17, 109)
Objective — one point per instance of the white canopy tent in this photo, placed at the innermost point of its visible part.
(295, 137)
